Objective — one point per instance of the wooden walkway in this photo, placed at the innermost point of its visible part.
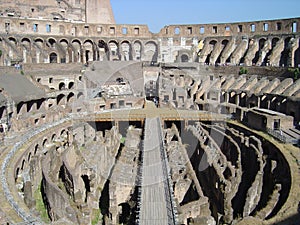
(154, 202)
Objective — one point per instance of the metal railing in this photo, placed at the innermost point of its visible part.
(170, 202)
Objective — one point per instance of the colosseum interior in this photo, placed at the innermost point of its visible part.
(104, 123)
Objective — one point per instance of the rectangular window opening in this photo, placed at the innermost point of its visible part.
(240, 28)
(190, 30)
(294, 27)
(124, 30)
(202, 30)
(215, 29)
(86, 29)
(112, 30)
(48, 28)
(266, 27)
(136, 31)
(35, 27)
(278, 26)
(99, 29)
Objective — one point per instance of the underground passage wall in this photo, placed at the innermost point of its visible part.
(220, 172)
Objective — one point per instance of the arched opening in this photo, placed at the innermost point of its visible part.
(89, 51)
(36, 148)
(151, 51)
(103, 50)
(51, 42)
(62, 86)
(261, 44)
(224, 44)
(126, 51)
(70, 97)
(76, 54)
(285, 59)
(53, 57)
(273, 44)
(137, 50)
(53, 137)
(114, 50)
(19, 107)
(184, 58)
(29, 157)
(17, 174)
(80, 95)
(59, 99)
(212, 44)
(71, 85)
(23, 164)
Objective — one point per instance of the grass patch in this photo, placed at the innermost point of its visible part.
(96, 216)
(39, 205)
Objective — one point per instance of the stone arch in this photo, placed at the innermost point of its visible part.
(29, 157)
(261, 44)
(51, 42)
(224, 44)
(26, 49)
(64, 132)
(31, 105)
(61, 86)
(45, 142)
(126, 51)
(13, 48)
(137, 50)
(114, 50)
(40, 53)
(103, 50)
(36, 149)
(88, 50)
(60, 99)
(53, 137)
(23, 164)
(211, 44)
(151, 51)
(284, 58)
(21, 107)
(53, 58)
(40, 103)
(184, 58)
(64, 44)
(76, 54)
(13, 41)
(71, 85)
(80, 96)
(70, 97)
(274, 41)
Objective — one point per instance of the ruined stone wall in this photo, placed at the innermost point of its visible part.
(47, 9)
(44, 41)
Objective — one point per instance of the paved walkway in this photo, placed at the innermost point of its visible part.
(154, 199)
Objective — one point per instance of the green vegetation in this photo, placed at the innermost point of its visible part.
(243, 71)
(122, 140)
(296, 72)
(95, 216)
(39, 205)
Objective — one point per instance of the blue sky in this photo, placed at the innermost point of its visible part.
(158, 13)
